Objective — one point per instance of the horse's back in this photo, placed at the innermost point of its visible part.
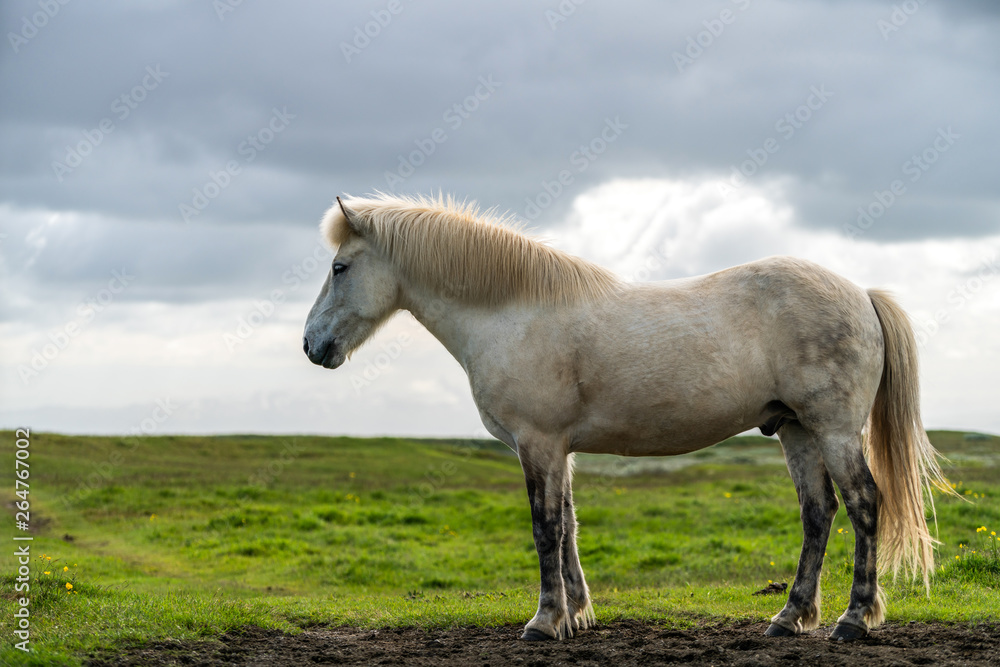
(679, 365)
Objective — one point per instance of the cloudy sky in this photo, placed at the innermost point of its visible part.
(165, 165)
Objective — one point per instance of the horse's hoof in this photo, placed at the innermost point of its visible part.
(533, 635)
(775, 630)
(847, 632)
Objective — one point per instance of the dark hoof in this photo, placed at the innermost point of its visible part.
(533, 635)
(847, 632)
(775, 630)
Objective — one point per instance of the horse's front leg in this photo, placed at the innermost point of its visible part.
(581, 612)
(545, 474)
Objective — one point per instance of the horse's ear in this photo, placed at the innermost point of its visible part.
(339, 223)
(352, 218)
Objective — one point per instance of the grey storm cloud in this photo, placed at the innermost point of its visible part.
(200, 142)
(560, 75)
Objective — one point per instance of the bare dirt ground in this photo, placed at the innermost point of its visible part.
(621, 643)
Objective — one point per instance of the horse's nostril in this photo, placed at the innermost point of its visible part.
(305, 345)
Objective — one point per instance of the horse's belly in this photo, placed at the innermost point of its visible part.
(655, 437)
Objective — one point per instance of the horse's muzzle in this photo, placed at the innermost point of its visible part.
(324, 354)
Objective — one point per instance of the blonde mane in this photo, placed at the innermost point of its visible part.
(477, 258)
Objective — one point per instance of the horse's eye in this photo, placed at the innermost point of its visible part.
(339, 268)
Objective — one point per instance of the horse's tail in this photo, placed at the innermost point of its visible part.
(902, 459)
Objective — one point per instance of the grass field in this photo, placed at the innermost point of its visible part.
(188, 537)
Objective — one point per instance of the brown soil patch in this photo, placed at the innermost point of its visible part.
(620, 643)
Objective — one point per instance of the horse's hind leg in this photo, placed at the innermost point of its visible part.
(846, 462)
(581, 612)
(545, 474)
(817, 505)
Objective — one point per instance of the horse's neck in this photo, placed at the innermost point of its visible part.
(464, 330)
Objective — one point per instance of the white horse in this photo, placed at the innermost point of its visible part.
(562, 357)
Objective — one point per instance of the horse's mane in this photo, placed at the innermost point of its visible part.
(477, 258)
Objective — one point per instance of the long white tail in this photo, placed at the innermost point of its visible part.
(902, 459)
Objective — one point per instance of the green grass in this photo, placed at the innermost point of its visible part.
(187, 537)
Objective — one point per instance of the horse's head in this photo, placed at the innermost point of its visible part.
(360, 292)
